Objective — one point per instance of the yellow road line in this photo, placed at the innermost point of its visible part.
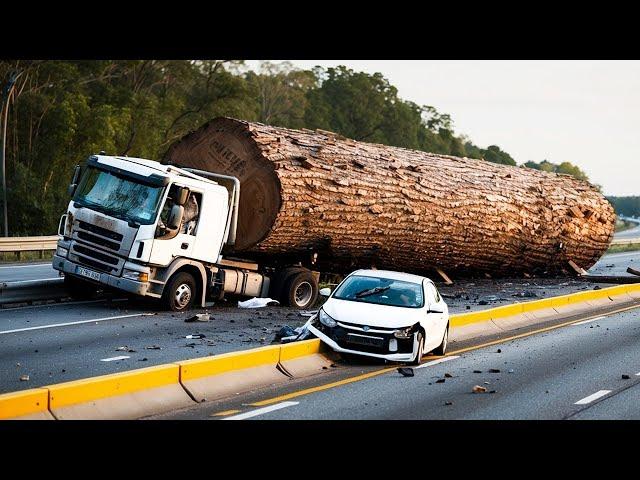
(225, 413)
(358, 378)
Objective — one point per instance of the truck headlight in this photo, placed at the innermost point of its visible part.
(404, 333)
(62, 252)
(68, 225)
(326, 319)
(135, 275)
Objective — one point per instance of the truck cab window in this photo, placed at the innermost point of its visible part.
(191, 214)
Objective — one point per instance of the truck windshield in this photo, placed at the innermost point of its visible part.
(119, 197)
(383, 291)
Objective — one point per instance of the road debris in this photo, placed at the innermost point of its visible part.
(288, 334)
(633, 271)
(258, 303)
(200, 317)
(499, 351)
(478, 389)
(308, 313)
(448, 375)
(195, 336)
(125, 349)
(625, 377)
(405, 371)
(153, 347)
(477, 371)
(448, 403)
(440, 380)
(144, 359)
(494, 370)
(511, 370)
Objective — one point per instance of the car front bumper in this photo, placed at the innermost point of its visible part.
(394, 357)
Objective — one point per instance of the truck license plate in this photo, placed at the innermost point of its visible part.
(88, 273)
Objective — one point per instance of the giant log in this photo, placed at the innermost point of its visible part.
(357, 204)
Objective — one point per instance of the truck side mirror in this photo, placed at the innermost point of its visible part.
(325, 292)
(175, 217)
(182, 195)
(71, 189)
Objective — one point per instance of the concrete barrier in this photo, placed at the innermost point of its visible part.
(230, 373)
(126, 395)
(29, 404)
(32, 290)
(300, 359)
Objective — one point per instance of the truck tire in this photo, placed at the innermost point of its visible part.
(78, 288)
(180, 292)
(301, 290)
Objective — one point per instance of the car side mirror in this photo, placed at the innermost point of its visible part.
(325, 292)
(175, 217)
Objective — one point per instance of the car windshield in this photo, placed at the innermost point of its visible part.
(382, 291)
(118, 196)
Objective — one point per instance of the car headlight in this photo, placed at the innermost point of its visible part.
(404, 332)
(135, 275)
(326, 319)
(62, 252)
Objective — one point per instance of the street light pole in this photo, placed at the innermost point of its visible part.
(5, 117)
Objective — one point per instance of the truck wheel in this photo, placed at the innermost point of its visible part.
(301, 290)
(79, 289)
(180, 292)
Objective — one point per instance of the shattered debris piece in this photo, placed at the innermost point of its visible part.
(406, 371)
(125, 349)
(258, 303)
(440, 380)
(448, 375)
(479, 389)
(499, 350)
(511, 370)
(494, 370)
(153, 347)
(448, 403)
(308, 313)
(492, 391)
(477, 371)
(144, 359)
(625, 377)
(24, 378)
(200, 317)
(197, 335)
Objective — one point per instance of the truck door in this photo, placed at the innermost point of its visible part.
(170, 244)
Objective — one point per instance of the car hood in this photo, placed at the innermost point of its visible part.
(372, 315)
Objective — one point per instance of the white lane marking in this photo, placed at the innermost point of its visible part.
(96, 320)
(440, 360)
(262, 411)
(592, 397)
(638, 374)
(113, 359)
(588, 321)
(28, 266)
(16, 282)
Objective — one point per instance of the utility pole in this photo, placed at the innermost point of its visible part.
(8, 90)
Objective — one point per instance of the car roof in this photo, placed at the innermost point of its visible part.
(406, 277)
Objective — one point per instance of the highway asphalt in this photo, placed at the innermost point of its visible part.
(572, 372)
(629, 233)
(26, 271)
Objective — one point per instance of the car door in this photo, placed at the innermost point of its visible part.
(433, 328)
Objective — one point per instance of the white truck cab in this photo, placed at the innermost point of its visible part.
(157, 230)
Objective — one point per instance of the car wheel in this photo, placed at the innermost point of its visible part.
(180, 292)
(442, 348)
(301, 290)
(420, 353)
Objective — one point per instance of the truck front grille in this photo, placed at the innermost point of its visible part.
(100, 231)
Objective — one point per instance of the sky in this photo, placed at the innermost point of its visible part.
(583, 112)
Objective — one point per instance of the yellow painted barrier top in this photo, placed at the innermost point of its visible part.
(460, 319)
(25, 402)
(204, 367)
(79, 391)
(289, 351)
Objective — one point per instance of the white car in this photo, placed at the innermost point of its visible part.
(379, 313)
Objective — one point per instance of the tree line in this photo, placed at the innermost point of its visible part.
(627, 206)
(62, 111)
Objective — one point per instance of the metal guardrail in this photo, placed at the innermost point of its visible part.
(28, 244)
(32, 290)
(625, 241)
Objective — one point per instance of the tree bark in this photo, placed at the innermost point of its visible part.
(358, 204)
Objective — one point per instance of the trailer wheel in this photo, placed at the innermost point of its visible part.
(301, 290)
(180, 292)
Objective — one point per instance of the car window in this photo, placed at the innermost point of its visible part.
(383, 291)
(432, 293)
